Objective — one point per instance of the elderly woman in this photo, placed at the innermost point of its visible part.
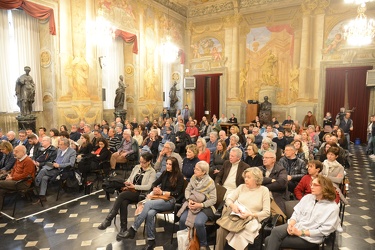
(253, 159)
(140, 180)
(204, 153)
(234, 130)
(315, 216)
(189, 161)
(200, 197)
(266, 146)
(249, 199)
(234, 142)
(169, 184)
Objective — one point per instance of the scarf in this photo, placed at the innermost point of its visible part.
(329, 167)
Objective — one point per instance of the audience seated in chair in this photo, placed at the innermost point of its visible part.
(96, 160)
(23, 168)
(230, 176)
(140, 180)
(33, 149)
(7, 160)
(220, 155)
(167, 151)
(200, 195)
(170, 184)
(257, 207)
(66, 157)
(128, 150)
(295, 167)
(275, 179)
(189, 161)
(47, 153)
(314, 217)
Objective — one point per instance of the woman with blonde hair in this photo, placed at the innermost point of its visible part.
(189, 161)
(204, 153)
(258, 207)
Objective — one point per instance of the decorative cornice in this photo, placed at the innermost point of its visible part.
(182, 10)
(211, 9)
(252, 3)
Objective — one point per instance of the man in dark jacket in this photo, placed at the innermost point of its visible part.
(275, 179)
(230, 176)
(295, 167)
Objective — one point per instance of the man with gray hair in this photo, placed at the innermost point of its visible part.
(128, 149)
(230, 176)
(276, 180)
(167, 151)
(47, 153)
(11, 136)
(66, 157)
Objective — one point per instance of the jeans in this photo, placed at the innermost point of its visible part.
(199, 224)
(150, 209)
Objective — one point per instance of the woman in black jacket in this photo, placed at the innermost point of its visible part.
(170, 184)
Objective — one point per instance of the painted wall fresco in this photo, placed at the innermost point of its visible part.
(269, 62)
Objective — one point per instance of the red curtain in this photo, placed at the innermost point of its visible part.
(215, 94)
(358, 96)
(35, 10)
(200, 96)
(129, 38)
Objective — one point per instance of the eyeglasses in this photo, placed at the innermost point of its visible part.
(268, 157)
(143, 162)
(313, 184)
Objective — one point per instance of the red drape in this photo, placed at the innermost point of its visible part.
(358, 96)
(129, 38)
(199, 96)
(35, 10)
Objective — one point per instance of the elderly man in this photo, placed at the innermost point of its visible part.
(66, 156)
(167, 151)
(230, 176)
(11, 136)
(276, 180)
(258, 137)
(223, 136)
(128, 147)
(295, 167)
(48, 153)
(23, 168)
(212, 143)
(74, 134)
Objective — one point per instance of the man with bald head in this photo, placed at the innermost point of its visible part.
(23, 168)
(128, 149)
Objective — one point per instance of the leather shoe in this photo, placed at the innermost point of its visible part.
(106, 223)
(150, 245)
(128, 234)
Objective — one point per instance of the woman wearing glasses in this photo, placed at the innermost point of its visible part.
(315, 216)
(140, 180)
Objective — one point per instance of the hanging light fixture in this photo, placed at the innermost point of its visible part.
(361, 30)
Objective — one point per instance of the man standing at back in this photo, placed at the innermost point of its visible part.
(23, 168)
(186, 114)
(346, 124)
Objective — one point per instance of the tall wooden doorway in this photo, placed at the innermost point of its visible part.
(207, 96)
(346, 87)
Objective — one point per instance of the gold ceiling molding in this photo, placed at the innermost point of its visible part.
(233, 20)
(252, 3)
(211, 9)
(182, 10)
(315, 6)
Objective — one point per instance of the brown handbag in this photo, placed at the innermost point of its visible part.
(193, 240)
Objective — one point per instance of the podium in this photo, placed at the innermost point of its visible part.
(252, 110)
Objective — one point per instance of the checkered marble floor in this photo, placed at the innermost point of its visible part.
(73, 225)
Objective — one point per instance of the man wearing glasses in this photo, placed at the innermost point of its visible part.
(167, 151)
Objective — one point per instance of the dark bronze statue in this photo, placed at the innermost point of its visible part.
(265, 113)
(120, 95)
(173, 95)
(25, 92)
